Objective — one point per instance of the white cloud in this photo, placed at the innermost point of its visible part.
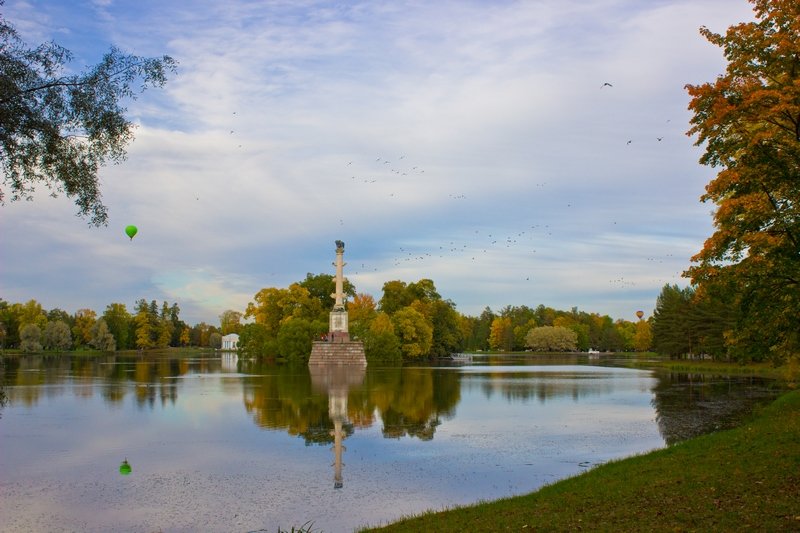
(392, 125)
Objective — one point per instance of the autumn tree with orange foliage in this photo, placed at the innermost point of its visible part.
(748, 120)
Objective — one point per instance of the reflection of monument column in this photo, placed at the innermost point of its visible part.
(337, 410)
(336, 381)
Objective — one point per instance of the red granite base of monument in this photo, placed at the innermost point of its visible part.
(340, 351)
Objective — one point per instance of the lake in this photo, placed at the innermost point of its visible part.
(211, 443)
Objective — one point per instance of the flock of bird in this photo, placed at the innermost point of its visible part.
(477, 246)
(397, 177)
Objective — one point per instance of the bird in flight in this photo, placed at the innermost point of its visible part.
(606, 84)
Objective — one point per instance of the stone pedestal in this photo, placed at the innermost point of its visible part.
(338, 322)
(343, 352)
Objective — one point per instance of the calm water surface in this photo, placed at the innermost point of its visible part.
(216, 444)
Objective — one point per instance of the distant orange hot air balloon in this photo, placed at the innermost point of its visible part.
(640, 314)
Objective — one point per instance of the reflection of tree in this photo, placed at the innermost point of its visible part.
(542, 386)
(3, 398)
(411, 401)
(281, 397)
(109, 376)
(396, 425)
(688, 405)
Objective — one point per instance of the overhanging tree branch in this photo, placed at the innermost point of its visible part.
(57, 131)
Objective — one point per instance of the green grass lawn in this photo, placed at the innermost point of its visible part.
(745, 479)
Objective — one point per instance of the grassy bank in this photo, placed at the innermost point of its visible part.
(719, 367)
(742, 479)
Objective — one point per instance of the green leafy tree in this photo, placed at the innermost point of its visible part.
(748, 120)
(423, 290)
(84, 321)
(466, 324)
(255, 341)
(118, 320)
(273, 306)
(573, 322)
(144, 326)
(582, 332)
(447, 335)
(215, 340)
(396, 296)
(626, 332)
(32, 313)
(171, 314)
(30, 337)
(501, 336)
(643, 338)
(57, 314)
(165, 327)
(414, 333)
(545, 315)
(399, 294)
(102, 338)
(441, 316)
(361, 311)
(230, 321)
(323, 286)
(672, 332)
(10, 322)
(522, 318)
(481, 330)
(201, 333)
(56, 127)
(266, 310)
(551, 339)
(380, 341)
(57, 336)
(186, 336)
(712, 321)
(295, 337)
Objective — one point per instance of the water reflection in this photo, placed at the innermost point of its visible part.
(689, 404)
(336, 381)
(213, 437)
(413, 401)
(110, 377)
(543, 383)
(410, 402)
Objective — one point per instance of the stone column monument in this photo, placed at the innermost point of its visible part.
(338, 349)
(338, 317)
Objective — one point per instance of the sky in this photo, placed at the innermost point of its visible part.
(515, 153)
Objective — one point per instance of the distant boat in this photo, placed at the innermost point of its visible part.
(593, 352)
(463, 357)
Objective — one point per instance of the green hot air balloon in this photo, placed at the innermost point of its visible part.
(130, 231)
(125, 468)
